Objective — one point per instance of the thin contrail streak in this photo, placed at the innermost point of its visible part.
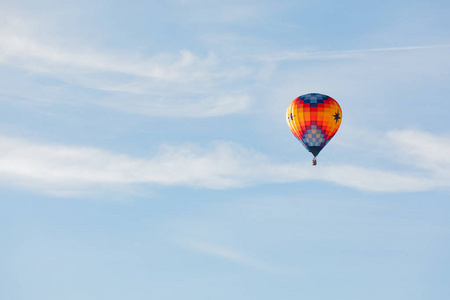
(339, 54)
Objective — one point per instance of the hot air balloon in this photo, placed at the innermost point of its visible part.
(314, 119)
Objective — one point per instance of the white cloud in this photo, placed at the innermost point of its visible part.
(229, 254)
(21, 45)
(184, 106)
(149, 85)
(202, 85)
(313, 55)
(422, 150)
(221, 165)
(370, 179)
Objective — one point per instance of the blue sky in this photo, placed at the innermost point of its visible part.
(144, 152)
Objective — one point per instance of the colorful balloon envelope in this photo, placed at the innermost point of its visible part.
(314, 119)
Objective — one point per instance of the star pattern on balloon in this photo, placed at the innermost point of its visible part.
(336, 116)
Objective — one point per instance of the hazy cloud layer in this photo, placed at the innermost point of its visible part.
(221, 165)
(150, 84)
(210, 84)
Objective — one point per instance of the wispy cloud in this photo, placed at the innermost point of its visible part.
(313, 55)
(221, 165)
(152, 83)
(184, 106)
(21, 45)
(422, 150)
(229, 255)
(201, 85)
